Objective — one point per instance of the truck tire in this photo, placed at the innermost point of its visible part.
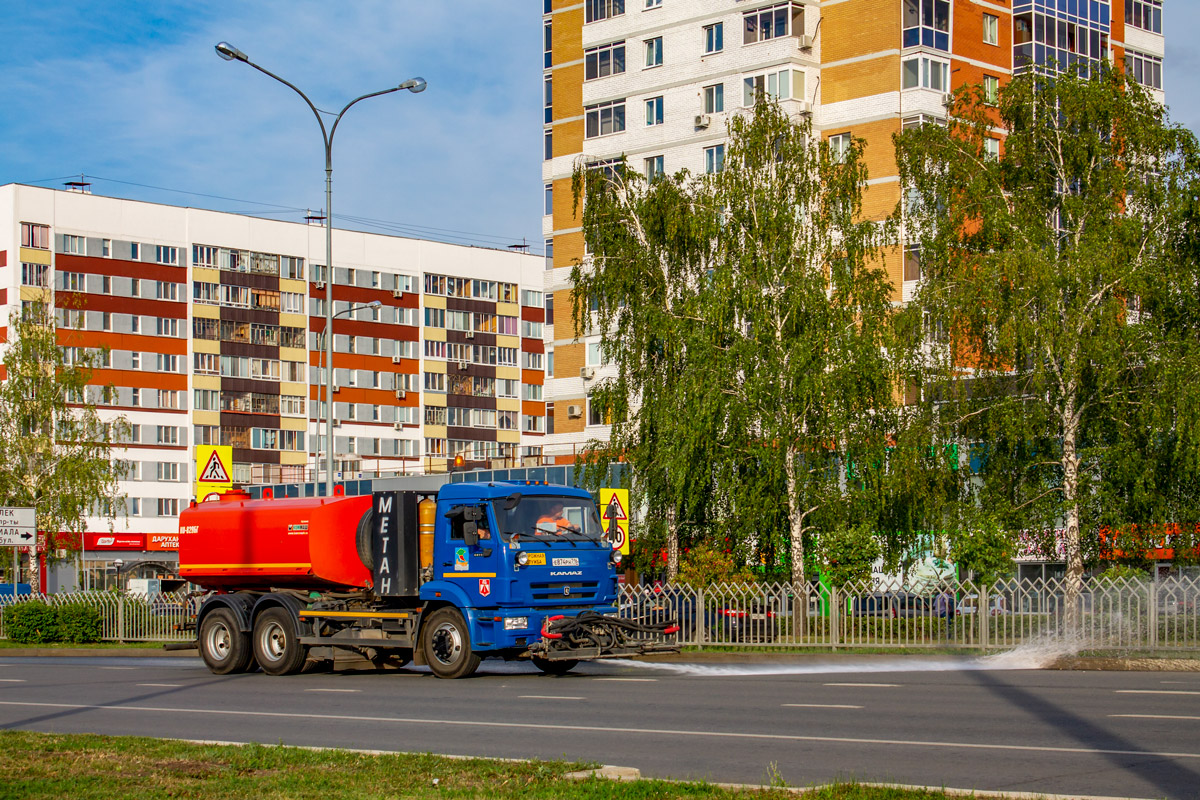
(223, 646)
(276, 646)
(446, 644)
(555, 667)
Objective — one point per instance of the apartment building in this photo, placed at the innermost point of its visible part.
(211, 327)
(656, 80)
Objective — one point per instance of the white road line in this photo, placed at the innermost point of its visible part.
(815, 705)
(350, 691)
(118, 668)
(1152, 716)
(162, 685)
(656, 732)
(1153, 691)
(888, 685)
(12, 680)
(547, 697)
(629, 680)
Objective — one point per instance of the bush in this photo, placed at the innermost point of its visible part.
(33, 622)
(79, 624)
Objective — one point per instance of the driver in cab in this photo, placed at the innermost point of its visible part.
(553, 521)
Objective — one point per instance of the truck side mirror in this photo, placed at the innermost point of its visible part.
(470, 534)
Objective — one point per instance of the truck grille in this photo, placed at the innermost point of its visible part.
(579, 590)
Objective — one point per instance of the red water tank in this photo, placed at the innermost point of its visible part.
(239, 543)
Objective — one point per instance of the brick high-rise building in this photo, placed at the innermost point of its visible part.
(655, 81)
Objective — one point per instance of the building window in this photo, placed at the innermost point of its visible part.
(1144, 14)
(839, 146)
(548, 44)
(1143, 68)
(991, 148)
(601, 62)
(782, 85)
(714, 159)
(549, 199)
(548, 98)
(653, 3)
(927, 23)
(34, 235)
(605, 119)
(654, 52)
(595, 355)
(991, 89)
(921, 72)
(548, 246)
(714, 38)
(912, 263)
(773, 22)
(106, 248)
(548, 142)
(166, 255)
(595, 413)
(135, 251)
(73, 245)
(654, 169)
(596, 10)
(654, 111)
(991, 29)
(35, 274)
(714, 98)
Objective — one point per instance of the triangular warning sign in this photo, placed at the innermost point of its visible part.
(614, 510)
(214, 471)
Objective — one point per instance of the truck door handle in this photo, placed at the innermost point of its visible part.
(447, 564)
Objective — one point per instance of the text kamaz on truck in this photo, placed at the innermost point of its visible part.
(510, 570)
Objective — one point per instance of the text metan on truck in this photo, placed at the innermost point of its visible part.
(477, 570)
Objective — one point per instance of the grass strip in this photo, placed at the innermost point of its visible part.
(84, 766)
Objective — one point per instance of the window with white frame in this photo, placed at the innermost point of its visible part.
(548, 43)
(549, 197)
(596, 10)
(73, 244)
(1144, 14)
(653, 3)
(35, 274)
(654, 167)
(714, 159)
(106, 286)
(548, 98)
(714, 98)
(991, 29)
(1144, 68)
(991, 148)
(74, 281)
(772, 22)
(714, 38)
(839, 146)
(604, 119)
(991, 89)
(595, 415)
(166, 255)
(654, 111)
(603, 61)
(784, 84)
(654, 52)
(922, 72)
(34, 235)
(168, 471)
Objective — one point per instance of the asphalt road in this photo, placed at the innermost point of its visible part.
(947, 723)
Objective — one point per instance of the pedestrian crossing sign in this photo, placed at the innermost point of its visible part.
(214, 470)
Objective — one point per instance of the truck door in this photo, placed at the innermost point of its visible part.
(474, 559)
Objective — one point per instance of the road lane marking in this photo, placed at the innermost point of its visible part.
(162, 685)
(12, 680)
(1153, 691)
(1152, 716)
(889, 685)
(816, 705)
(630, 680)
(334, 690)
(654, 732)
(118, 668)
(547, 697)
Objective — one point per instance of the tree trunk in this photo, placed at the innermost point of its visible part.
(672, 546)
(795, 519)
(1073, 588)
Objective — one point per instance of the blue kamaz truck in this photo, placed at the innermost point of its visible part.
(476, 570)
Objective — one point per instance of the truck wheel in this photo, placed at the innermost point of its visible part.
(555, 667)
(276, 646)
(446, 643)
(224, 648)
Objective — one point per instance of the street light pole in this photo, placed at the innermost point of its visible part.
(415, 85)
(324, 339)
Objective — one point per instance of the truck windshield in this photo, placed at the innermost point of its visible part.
(545, 518)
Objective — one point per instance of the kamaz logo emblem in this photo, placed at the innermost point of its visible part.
(566, 591)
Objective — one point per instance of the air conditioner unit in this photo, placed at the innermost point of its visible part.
(398, 426)
(337, 423)
(804, 108)
(703, 120)
(470, 334)
(574, 411)
(336, 388)
(587, 373)
(397, 293)
(401, 394)
(464, 364)
(805, 42)
(319, 284)
(396, 359)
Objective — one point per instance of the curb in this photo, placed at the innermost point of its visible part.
(95, 652)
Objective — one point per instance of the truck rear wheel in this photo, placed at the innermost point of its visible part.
(446, 643)
(223, 646)
(276, 646)
(555, 667)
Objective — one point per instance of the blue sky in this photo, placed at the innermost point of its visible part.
(133, 92)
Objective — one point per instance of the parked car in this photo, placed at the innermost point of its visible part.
(969, 604)
(758, 623)
(902, 605)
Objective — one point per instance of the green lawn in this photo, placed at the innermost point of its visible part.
(83, 767)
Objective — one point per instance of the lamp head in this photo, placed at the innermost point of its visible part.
(414, 85)
(375, 304)
(228, 52)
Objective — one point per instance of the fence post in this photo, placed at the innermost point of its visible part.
(121, 619)
(833, 617)
(702, 618)
(984, 611)
(1152, 592)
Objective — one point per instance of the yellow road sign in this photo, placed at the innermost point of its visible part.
(614, 516)
(214, 470)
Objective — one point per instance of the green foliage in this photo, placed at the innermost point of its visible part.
(79, 623)
(704, 565)
(985, 549)
(848, 554)
(31, 622)
(1123, 572)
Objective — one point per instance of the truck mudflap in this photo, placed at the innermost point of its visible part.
(591, 635)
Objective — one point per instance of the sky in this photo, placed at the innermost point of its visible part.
(133, 95)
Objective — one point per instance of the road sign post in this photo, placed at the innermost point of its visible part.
(18, 528)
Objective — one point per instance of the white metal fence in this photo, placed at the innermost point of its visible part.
(1125, 615)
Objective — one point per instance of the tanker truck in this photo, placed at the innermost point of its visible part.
(476, 570)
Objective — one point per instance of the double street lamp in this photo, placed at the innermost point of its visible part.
(414, 85)
(325, 337)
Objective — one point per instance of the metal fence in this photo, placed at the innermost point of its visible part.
(1127, 615)
(123, 617)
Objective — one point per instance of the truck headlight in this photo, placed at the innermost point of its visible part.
(617, 557)
(522, 558)
(516, 623)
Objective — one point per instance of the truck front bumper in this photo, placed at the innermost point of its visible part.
(591, 635)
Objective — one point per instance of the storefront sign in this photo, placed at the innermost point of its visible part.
(162, 541)
(115, 541)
